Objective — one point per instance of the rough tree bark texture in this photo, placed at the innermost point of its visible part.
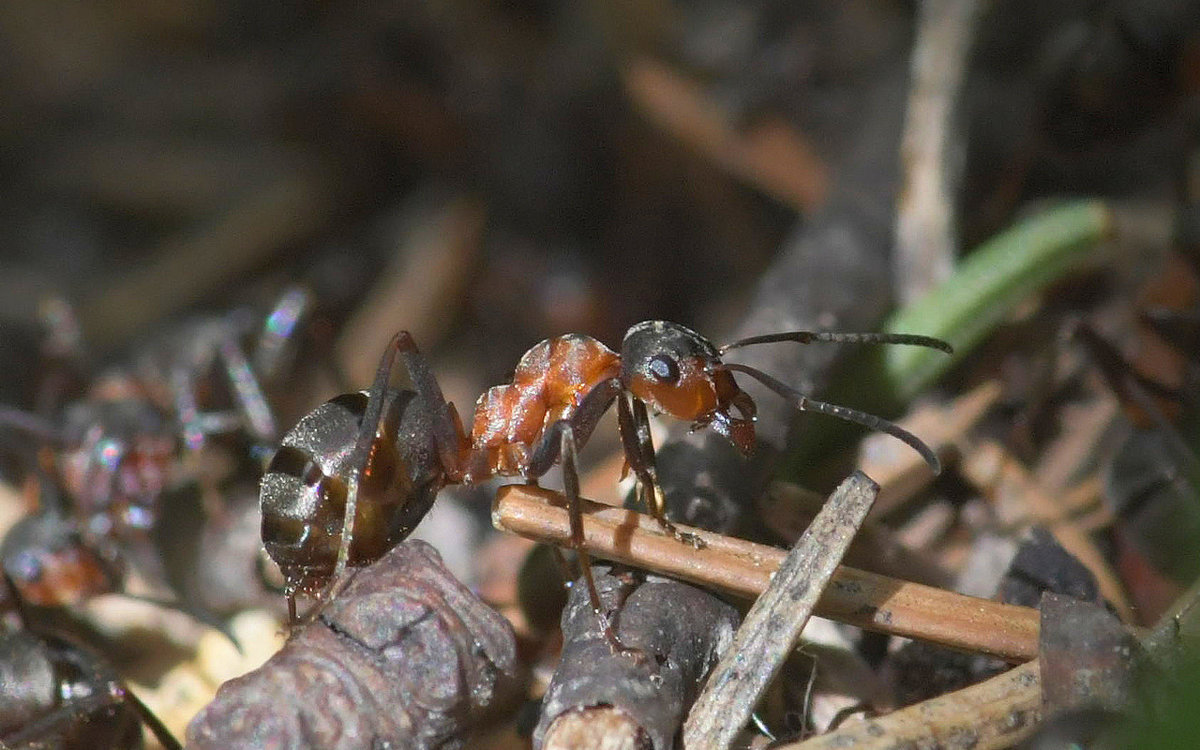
(680, 631)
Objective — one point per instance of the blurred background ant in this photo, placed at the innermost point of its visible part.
(55, 693)
(182, 423)
(1152, 477)
(357, 474)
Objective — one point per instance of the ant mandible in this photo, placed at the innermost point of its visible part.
(356, 474)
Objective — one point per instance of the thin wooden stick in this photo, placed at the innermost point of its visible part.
(926, 240)
(995, 713)
(867, 600)
(773, 624)
(771, 156)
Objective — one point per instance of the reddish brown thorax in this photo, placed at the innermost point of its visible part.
(550, 381)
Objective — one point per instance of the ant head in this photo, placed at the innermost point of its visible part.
(677, 371)
(49, 564)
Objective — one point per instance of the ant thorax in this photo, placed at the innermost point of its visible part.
(548, 385)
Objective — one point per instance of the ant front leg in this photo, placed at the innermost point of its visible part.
(634, 425)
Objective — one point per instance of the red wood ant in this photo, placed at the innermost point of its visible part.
(48, 561)
(360, 471)
(54, 693)
(111, 456)
(120, 444)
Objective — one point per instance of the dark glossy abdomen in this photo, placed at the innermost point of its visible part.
(303, 493)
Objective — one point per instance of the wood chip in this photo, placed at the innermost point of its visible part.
(773, 625)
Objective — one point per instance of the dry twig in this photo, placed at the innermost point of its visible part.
(633, 700)
(996, 713)
(931, 153)
(789, 509)
(402, 658)
(773, 625)
(867, 600)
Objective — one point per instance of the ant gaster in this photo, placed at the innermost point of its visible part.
(356, 475)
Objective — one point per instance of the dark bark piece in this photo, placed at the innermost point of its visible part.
(680, 630)
(1043, 565)
(402, 658)
(1087, 656)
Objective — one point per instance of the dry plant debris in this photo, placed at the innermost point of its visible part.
(494, 174)
(404, 657)
(996, 713)
(856, 597)
(1087, 656)
(772, 626)
(639, 697)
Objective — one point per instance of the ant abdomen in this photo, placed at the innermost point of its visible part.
(305, 488)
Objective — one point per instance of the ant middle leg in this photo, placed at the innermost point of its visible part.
(634, 426)
(570, 469)
(560, 442)
(252, 403)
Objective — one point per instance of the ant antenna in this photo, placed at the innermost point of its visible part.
(808, 337)
(801, 402)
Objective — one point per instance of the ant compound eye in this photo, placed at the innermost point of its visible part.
(26, 567)
(664, 369)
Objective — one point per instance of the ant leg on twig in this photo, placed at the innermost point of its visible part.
(560, 441)
(634, 426)
(570, 470)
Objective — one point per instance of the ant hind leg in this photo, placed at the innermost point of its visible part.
(368, 430)
(252, 404)
(444, 426)
(447, 429)
(570, 468)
